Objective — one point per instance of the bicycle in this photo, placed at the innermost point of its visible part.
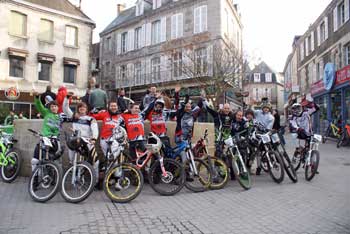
(10, 160)
(162, 172)
(345, 137)
(309, 156)
(79, 179)
(218, 168)
(45, 180)
(332, 132)
(120, 177)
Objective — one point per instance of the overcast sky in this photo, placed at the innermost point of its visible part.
(269, 25)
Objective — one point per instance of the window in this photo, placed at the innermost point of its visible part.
(138, 78)
(108, 67)
(138, 38)
(322, 32)
(123, 72)
(139, 8)
(347, 54)
(70, 72)
(157, 4)
(268, 77)
(155, 63)
(256, 94)
(71, 36)
(17, 67)
(177, 64)
(302, 51)
(308, 47)
(200, 19)
(46, 30)
(18, 24)
(44, 71)
(201, 61)
(257, 77)
(341, 14)
(177, 26)
(124, 42)
(108, 44)
(156, 32)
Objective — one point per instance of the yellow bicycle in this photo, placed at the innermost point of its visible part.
(332, 132)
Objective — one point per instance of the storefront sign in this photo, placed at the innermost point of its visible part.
(12, 93)
(329, 76)
(343, 75)
(317, 87)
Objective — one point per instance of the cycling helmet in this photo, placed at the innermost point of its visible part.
(154, 144)
(73, 143)
(120, 134)
(297, 109)
(266, 105)
(159, 102)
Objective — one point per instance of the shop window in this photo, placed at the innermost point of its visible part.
(347, 104)
(347, 54)
(70, 72)
(336, 108)
(17, 67)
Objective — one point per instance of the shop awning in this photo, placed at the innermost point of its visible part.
(71, 61)
(17, 52)
(46, 57)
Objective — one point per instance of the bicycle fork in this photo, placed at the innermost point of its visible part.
(193, 167)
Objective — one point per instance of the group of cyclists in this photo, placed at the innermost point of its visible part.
(228, 124)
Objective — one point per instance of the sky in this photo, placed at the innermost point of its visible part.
(269, 25)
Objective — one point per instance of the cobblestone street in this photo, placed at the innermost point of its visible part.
(321, 206)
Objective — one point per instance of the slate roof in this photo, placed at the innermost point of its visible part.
(123, 17)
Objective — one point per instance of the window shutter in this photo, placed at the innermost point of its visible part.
(312, 41)
(173, 26)
(318, 36)
(180, 25)
(314, 73)
(119, 43)
(143, 36)
(148, 34)
(306, 47)
(131, 37)
(197, 19)
(154, 4)
(326, 27)
(163, 29)
(347, 9)
(335, 19)
(204, 25)
(131, 80)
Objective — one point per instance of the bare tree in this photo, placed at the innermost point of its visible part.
(218, 69)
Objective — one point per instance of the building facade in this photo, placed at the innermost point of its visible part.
(323, 64)
(264, 82)
(43, 43)
(148, 44)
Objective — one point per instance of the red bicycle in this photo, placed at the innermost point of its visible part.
(345, 136)
(166, 176)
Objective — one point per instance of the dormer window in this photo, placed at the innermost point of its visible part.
(157, 4)
(140, 6)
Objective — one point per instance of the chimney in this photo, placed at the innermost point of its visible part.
(120, 8)
(80, 4)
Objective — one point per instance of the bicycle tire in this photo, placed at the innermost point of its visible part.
(276, 156)
(314, 167)
(288, 167)
(17, 167)
(139, 180)
(242, 177)
(296, 160)
(175, 176)
(221, 179)
(57, 178)
(203, 183)
(64, 191)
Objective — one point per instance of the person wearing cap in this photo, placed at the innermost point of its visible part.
(264, 116)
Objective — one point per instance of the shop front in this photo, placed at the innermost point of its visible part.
(333, 98)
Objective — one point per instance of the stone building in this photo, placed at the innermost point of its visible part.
(264, 82)
(323, 54)
(147, 44)
(42, 42)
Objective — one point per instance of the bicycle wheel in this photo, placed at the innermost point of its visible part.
(123, 183)
(45, 181)
(296, 160)
(288, 167)
(277, 169)
(220, 173)
(170, 183)
(10, 172)
(311, 169)
(202, 180)
(242, 174)
(76, 188)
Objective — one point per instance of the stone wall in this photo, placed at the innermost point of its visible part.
(26, 140)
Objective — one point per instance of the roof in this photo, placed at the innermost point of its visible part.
(123, 17)
(262, 68)
(60, 5)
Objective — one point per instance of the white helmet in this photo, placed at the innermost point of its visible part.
(120, 134)
(154, 144)
(297, 109)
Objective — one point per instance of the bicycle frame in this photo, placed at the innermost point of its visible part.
(148, 156)
(4, 161)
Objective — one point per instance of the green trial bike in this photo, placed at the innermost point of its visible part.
(10, 160)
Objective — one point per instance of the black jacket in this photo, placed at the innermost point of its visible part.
(121, 104)
(47, 93)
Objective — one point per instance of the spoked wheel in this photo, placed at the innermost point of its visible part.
(264, 165)
(200, 181)
(76, 187)
(312, 166)
(123, 183)
(288, 167)
(296, 160)
(276, 168)
(242, 173)
(169, 183)
(219, 172)
(10, 172)
(45, 181)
